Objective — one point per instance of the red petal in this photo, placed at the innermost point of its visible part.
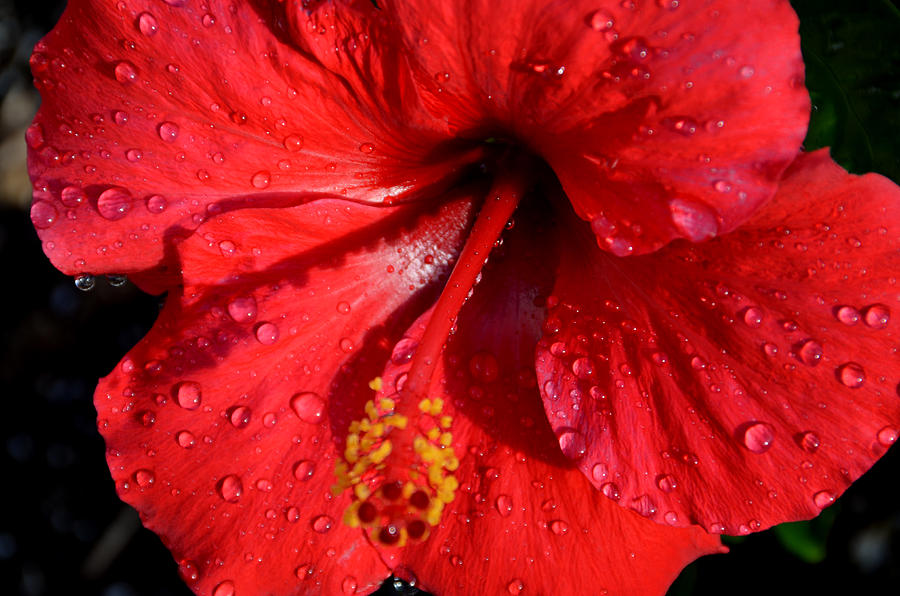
(660, 121)
(184, 112)
(524, 519)
(250, 378)
(741, 382)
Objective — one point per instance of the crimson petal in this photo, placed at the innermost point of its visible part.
(222, 424)
(741, 382)
(661, 120)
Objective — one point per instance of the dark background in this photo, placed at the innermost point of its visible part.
(64, 531)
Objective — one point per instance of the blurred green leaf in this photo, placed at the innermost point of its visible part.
(807, 540)
(852, 60)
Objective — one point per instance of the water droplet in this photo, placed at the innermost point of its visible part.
(261, 179)
(125, 72)
(134, 155)
(810, 352)
(722, 186)
(346, 345)
(758, 437)
(168, 131)
(599, 472)
(349, 585)
(823, 499)
(671, 518)
(666, 483)
(147, 24)
(483, 367)
(187, 569)
(559, 527)
(308, 406)
(343, 307)
(114, 203)
(239, 416)
(504, 505)
(644, 506)
(43, 214)
(877, 316)
(322, 523)
(695, 220)
(156, 204)
(242, 309)
(403, 350)
(753, 316)
(809, 441)
(304, 470)
(293, 142)
(515, 586)
(72, 196)
(611, 490)
(601, 20)
(267, 333)
(770, 349)
(717, 528)
(84, 282)
(367, 148)
(188, 395)
(230, 488)
(847, 315)
(583, 368)
(225, 588)
(887, 436)
(227, 248)
(144, 478)
(185, 439)
(572, 444)
(851, 375)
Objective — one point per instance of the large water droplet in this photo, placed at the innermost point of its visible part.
(261, 179)
(851, 375)
(225, 588)
(156, 204)
(559, 527)
(877, 316)
(43, 214)
(823, 499)
(239, 416)
(810, 352)
(168, 131)
(515, 587)
(125, 72)
(185, 439)
(696, 221)
(147, 24)
(72, 196)
(504, 505)
(304, 470)
(403, 350)
(322, 523)
(230, 488)
(188, 395)
(267, 333)
(349, 585)
(85, 282)
(572, 444)
(293, 142)
(144, 478)
(601, 20)
(847, 315)
(758, 437)
(666, 483)
(114, 203)
(753, 316)
(242, 309)
(809, 441)
(308, 406)
(887, 436)
(611, 490)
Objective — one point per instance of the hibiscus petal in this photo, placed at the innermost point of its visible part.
(221, 424)
(524, 519)
(185, 111)
(740, 382)
(661, 120)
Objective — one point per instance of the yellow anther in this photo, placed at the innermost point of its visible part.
(378, 429)
(361, 491)
(446, 421)
(380, 454)
(425, 406)
(397, 420)
(437, 404)
(376, 384)
(371, 411)
(446, 439)
(434, 433)
(387, 404)
(351, 515)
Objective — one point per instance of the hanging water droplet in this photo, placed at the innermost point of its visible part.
(823, 499)
(267, 333)
(308, 407)
(758, 437)
(188, 395)
(851, 375)
(230, 488)
(877, 316)
(84, 282)
(117, 280)
(114, 203)
(887, 436)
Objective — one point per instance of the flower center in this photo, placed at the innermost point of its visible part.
(399, 461)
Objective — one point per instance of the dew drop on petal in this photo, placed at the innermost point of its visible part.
(810, 352)
(753, 316)
(147, 24)
(504, 505)
(114, 203)
(809, 441)
(599, 472)
(43, 214)
(403, 350)
(188, 395)
(601, 20)
(666, 483)
(671, 518)
(572, 444)
(847, 315)
(293, 142)
(125, 72)
(770, 349)
(695, 220)
(823, 499)
(349, 585)
(156, 204)
(611, 490)
(515, 587)
(367, 148)
(559, 527)
(877, 316)
(225, 588)
(887, 436)
(851, 375)
(304, 470)
(343, 307)
(716, 528)
(185, 439)
(267, 333)
(758, 437)
(322, 523)
(168, 131)
(144, 478)
(230, 488)
(239, 416)
(72, 196)
(308, 407)
(261, 179)
(242, 309)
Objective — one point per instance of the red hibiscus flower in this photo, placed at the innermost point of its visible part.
(491, 296)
